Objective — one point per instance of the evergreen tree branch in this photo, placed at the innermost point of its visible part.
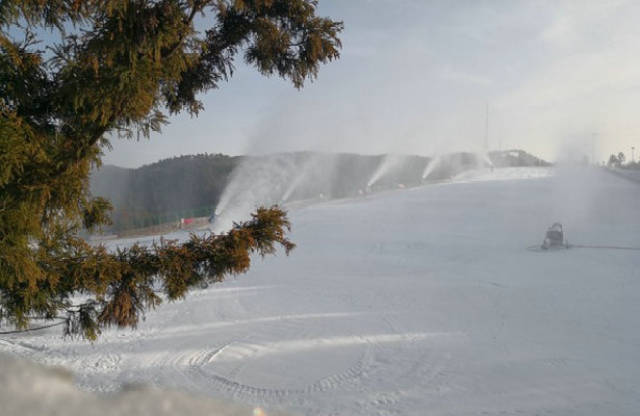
(125, 62)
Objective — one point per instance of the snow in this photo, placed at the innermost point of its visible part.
(32, 390)
(486, 174)
(632, 174)
(416, 301)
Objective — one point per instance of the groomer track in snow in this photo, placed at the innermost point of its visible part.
(415, 302)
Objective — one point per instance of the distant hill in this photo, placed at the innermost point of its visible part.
(110, 181)
(515, 158)
(164, 191)
(191, 186)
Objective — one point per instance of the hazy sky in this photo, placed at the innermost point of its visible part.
(416, 76)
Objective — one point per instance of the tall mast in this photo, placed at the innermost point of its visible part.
(486, 129)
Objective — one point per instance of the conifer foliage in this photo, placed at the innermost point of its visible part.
(74, 73)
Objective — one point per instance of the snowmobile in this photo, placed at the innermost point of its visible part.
(554, 238)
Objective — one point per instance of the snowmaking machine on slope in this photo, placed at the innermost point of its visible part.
(554, 238)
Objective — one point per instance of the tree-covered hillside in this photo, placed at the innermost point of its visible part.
(191, 186)
(182, 186)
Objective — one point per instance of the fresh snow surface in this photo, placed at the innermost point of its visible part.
(487, 174)
(424, 301)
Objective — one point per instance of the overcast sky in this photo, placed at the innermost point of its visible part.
(416, 76)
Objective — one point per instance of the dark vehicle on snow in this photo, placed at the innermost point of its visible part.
(554, 238)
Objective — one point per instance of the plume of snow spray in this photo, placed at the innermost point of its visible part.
(389, 163)
(275, 179)
(431, 165)
(315, 174)
(291, 189)
(484, 157)
(307, 172)
(256, 181)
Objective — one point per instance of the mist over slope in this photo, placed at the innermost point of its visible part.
(423, 301)
(191, 186)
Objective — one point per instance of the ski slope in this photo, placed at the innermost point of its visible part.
(502, 174)
(423, 301)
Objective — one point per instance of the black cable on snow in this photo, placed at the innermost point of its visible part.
(560, 248)
(604, 247)
(20, 331)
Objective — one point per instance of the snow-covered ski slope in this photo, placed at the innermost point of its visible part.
(502, 174)
(422, 301)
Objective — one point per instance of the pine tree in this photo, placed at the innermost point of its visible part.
(118, 68)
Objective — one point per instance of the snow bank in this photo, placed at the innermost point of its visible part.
(31, 389)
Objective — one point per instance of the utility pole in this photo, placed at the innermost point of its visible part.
(486, 129)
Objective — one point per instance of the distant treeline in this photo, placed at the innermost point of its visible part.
(191, 186)
(618, 161)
